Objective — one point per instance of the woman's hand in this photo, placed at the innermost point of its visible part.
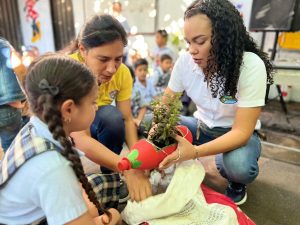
(185, 151)
(138, 184)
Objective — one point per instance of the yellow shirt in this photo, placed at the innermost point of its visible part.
(119, 88)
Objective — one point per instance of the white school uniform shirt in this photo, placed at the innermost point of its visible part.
(188, 76)
(142, 95)
(46, 185)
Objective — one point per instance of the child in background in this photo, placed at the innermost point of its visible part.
(117, 13)
(162, 73)
(59, 90)
(161, 48)
(143, 91)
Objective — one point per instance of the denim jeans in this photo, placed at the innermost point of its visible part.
(10, 90)
(239, 165)
(10, 124)
(109, 129)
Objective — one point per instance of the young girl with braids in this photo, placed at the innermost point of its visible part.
(40, 171)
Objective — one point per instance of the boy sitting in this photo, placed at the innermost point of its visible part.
(162, 73)
(143, 91)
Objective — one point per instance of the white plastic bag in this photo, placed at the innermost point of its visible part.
(161, 180)
(183, 203)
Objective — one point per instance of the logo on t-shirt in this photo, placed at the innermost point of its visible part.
(227, 99)
(113, 94)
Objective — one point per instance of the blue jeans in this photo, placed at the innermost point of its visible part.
(109, 129)
(10, 90)
(10, 124)
(239, 165)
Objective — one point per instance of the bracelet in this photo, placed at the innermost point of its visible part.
(196, 152)
(178, 156)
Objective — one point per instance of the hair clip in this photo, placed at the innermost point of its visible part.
(46, 88)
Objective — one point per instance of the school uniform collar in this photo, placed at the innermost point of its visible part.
(160, 71)
(43, 131)
(139, 84)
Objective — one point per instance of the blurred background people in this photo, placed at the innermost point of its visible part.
(12, 97)
(29, 53)
(117, 13)
(162, 73)
(161, 39)
(143, 91)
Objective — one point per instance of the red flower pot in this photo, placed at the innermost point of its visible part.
(145, 155)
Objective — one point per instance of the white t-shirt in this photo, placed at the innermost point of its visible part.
(45, 185)
(188, 76)
(124, 22)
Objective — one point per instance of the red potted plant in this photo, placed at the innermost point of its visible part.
(148, 153)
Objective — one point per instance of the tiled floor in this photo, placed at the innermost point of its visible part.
(274, 119)
(273, 198)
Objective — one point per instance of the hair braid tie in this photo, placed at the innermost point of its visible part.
(46, 88)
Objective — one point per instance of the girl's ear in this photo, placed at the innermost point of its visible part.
(67, 109)
(82, 51)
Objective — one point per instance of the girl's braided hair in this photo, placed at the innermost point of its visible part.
(230, 40)
(65, 79)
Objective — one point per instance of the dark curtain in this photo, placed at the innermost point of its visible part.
(63, 22)
(10, 26)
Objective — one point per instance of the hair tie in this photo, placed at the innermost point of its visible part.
(46, 88)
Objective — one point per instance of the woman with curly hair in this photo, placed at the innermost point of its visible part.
(226, 76)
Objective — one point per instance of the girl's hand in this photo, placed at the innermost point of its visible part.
(115, 218)
(138, 184)
(185, 151)
(88, 219)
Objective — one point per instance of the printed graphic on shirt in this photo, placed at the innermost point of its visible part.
(226, 99)
(113, 94)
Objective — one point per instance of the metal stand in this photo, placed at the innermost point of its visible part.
(274, 50)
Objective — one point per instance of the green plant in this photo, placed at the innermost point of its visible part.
(177, 41)
(165, 118)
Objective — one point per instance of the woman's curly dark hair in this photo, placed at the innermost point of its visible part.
(230, 40)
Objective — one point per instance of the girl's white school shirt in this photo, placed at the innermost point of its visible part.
(188, 76)
(44, 186)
